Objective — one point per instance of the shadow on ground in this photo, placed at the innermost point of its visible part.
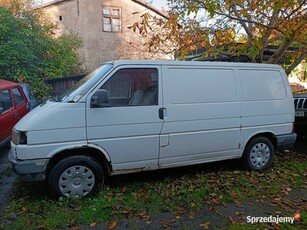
(39, 190)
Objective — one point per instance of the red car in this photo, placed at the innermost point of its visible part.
(13, 106)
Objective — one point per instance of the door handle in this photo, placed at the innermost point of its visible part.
(15, 114)
(161, 113)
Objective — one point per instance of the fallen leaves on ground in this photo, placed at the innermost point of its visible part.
(179, 193)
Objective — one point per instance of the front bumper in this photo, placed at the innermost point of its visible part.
(285, 141)
(29, 170)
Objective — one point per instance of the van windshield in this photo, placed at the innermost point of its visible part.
(85, 84)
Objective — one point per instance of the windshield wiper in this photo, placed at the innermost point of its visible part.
(74, 99)
(55, 99)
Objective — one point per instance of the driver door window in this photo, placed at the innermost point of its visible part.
(18, 97)
(133, 87)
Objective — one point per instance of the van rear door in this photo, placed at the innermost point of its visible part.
(202, 115)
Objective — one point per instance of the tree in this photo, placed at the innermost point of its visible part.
(29, 49)
(232, 27)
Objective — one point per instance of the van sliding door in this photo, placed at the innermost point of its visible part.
(203, 116)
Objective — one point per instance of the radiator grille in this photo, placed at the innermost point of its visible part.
(300, 103)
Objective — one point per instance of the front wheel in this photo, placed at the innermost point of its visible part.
(76, 177)
(258, 154)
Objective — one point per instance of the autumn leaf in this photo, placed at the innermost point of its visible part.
(74, 228)
(78, 208)
(212, 194)
(205, 225)
(214, 201)
(134, 196)
(180, 210)
(231, 220)
(166, 221)
(112, 225)
(238, 204)
(144, 216)
(142, 213)
(234, 194)
(125, 212)
(93, 224)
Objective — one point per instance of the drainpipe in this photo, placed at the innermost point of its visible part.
(78, 6)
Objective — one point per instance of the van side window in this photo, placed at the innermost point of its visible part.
(133, 87)
(18, 96)
(6, 100)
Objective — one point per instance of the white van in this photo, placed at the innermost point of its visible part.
(130, 116)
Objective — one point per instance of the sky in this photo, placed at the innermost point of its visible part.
(159, 3)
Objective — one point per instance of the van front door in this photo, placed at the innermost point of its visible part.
(128, 126)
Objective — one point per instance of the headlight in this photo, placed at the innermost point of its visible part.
(19, 137)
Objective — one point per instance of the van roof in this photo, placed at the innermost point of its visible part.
(193, 63)
(4, 84)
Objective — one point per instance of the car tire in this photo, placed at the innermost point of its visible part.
(258, 154)
(76, 177)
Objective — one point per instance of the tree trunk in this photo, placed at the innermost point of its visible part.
(296, 62)
(281, 50)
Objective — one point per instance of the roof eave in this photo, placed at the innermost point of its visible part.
(154, 9)
(140, 2)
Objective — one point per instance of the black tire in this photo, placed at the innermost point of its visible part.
(258, 154)
(76, 176)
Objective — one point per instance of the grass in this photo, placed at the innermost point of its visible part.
(148, 193)
(5, 172)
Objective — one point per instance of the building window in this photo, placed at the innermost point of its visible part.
(111, 19)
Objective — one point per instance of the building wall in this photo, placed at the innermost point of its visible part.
(85, 18)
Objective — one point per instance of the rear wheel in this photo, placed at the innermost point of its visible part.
(76, 176)
(258, 154)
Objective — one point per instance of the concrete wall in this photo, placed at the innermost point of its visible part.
(85, 18)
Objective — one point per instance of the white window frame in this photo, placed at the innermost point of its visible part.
(107, 13)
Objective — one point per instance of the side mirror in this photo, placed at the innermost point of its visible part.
(100, 99)
(1, 110)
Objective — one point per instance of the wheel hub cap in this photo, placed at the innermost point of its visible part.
(76, 181)
(260, 155)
